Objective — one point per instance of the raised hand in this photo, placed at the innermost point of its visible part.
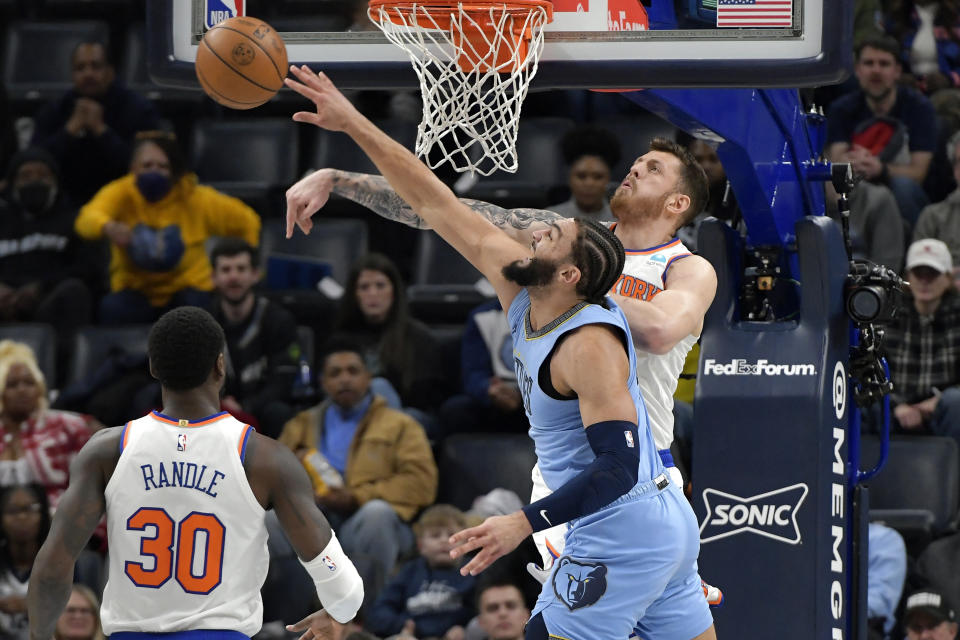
(305, 198)
(334, 111)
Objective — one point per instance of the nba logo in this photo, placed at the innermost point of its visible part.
(216, 11)
(629, 437)
(181, 442)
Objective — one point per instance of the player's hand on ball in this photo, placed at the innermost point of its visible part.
(318, 626)
(496, 537)
(306, 197)
(334, 111)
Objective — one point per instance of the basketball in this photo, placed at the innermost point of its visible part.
(241, 62)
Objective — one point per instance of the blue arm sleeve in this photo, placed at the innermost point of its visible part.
(612, 474)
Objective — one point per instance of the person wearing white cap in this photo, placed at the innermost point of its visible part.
(923, 344)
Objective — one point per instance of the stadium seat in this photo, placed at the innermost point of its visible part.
(95, 343)
(635, 133)
(335, 242)
(436, 262)
(251, 159)
(134, 75)
(916, 492)
(42, 338)
(336, 149)
(450, 338)
(481, 462)
(444, 283)
(540, 167)
(36, 60)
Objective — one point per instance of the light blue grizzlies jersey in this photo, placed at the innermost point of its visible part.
(556, 427)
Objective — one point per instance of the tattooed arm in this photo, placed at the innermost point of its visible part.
(77, 515)
(374, 192)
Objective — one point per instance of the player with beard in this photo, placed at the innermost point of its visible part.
(665, 189)
(577, 370)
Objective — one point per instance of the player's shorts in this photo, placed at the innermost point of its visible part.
(633, 564)
(549, 542)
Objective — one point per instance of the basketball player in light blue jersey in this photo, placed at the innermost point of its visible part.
(577, 369)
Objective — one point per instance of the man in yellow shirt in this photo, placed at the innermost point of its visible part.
(157, 219)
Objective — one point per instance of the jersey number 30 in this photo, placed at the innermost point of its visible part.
(176, 555)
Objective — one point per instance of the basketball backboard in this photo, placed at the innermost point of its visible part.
(597, 44)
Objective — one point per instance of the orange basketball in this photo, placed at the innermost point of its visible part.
(241, 62)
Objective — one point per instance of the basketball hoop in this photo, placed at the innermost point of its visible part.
(475, 62)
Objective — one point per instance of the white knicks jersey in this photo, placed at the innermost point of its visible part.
(645, 274)
(188, 544)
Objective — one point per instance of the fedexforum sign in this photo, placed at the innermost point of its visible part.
(741, 367)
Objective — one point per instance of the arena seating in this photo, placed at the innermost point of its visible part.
(95, 343)
(917, 490)
(482, 462)
(338, 242)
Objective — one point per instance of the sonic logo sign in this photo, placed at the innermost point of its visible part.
(771, 515)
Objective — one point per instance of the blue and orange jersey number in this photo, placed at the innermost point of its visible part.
(174, 550)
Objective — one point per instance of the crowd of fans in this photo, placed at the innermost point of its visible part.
(102, 222)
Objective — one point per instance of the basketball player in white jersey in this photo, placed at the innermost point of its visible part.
(664, 290)
(185, 491)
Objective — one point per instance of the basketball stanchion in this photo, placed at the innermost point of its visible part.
(474, 62)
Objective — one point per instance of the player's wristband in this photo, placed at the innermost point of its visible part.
(338, 584)
(613, 473)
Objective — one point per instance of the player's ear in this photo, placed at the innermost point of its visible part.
(220, 366)
(569, 274)
(153, 372)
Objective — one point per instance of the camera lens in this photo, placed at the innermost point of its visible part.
(864, 303)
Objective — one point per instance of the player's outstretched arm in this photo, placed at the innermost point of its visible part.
(676, 312)
(311, 192)
(485, 246)
(276, 473)
(77, 515)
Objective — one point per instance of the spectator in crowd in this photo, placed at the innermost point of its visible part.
(372, 466)
(491, 399)
(427, 598)
(37, 443)
(80, 620)
(939, 566)
(397, 348)
(888, 132)
(157, 219)
(886, 572)
(46, 270)
(929, 31)
(23, 528)
(722, 204)
(503, 614)
(90, 129)
(262, 348)
(929, 616)
(591, 154)
(923, 345)
(876, 228)
(942, 219)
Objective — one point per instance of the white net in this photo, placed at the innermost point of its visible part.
(475, 63)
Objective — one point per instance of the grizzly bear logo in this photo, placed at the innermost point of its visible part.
(579, 584)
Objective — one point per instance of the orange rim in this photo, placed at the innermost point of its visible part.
(441, 11)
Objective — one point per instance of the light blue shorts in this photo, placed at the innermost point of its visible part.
(633, 564)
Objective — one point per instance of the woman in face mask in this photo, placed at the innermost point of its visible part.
(157, 219)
